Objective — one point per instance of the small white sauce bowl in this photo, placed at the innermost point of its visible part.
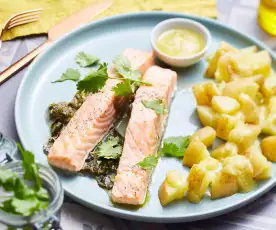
(180, 23)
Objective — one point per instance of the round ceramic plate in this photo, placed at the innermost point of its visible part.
(107, 38)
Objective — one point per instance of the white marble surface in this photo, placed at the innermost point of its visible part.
(259, 215)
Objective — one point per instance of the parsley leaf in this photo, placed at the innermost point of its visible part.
(31, 168)
(69, 75)
(157, 105)
(110, 149)
(85, 60)
(123, 88)
(94, 81)
(7, 179)
(175, 146)
(148, 162)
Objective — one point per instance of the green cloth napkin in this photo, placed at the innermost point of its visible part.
(56, 10)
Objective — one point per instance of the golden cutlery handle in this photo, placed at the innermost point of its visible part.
(14, 68)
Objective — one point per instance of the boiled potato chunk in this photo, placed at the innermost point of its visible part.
(269, 125)
(266, 174)
(244, 135)
(206, 135)
(173, 187)
(268, 145)
(269, 86)
(249, 108)
(225, 150)
(200, 94)
(195, 152)
(246, 64)
(210, 163)
(225, 124)
(224, 70)
(235, 88)
(272, 105)
(240, 167)
(257, 159)
(213, 62)
(249, 49)
(223, 185)
(207, 116)
(199, 179)
(260, 99)
(223, 104)
(263, 114)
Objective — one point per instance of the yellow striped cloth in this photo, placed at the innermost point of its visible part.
(56, 10)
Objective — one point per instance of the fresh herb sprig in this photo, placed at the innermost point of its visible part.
(110, 149)
(156, 105)
(175, 146)
(69, 75)
(85, 60)
(25, 200)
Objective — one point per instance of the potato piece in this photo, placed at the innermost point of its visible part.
(259, 79)
(240, 167)
(206, 135)
(272, 105)
(235, 88)
(268, 146)
(259, 99)
(207, 116)
(195, 152)
(200, 94)
(224, 70)
(223, 185)
(249, 49)
(212, 67)
(210, 163)
(225, 124)
(173, 187)
(244, 135)
(266, 174)
(223, 104)
(240, 116)
(225, 150)
(263, 113)
(269, 86)
(269, 125)
(211, 90)
(257, 159)
(199, 179)
(249, 108)
(246, 64)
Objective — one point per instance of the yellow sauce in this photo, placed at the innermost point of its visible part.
(180, 43)
(267, 16)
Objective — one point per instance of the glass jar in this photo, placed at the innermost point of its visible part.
(267, 16)
(50, 181)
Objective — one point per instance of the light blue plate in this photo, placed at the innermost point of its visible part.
(107, 38)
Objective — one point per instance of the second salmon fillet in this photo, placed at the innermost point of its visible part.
(143, 135)
(94, 119)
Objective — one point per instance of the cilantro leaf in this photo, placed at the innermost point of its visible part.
(94, 81)
(7, 179)
(123, 88)
(123, 67)
(175, 146)
(25, 207)
(22, 191)
(31, 168)
(148, 162)
(69, 75)
(85, 60)
(157, 105)
(110, 149)
(42, 194)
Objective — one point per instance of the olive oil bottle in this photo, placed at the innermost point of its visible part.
(267, 16)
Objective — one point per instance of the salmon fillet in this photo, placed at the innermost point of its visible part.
(93, 119)
(143, 135)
